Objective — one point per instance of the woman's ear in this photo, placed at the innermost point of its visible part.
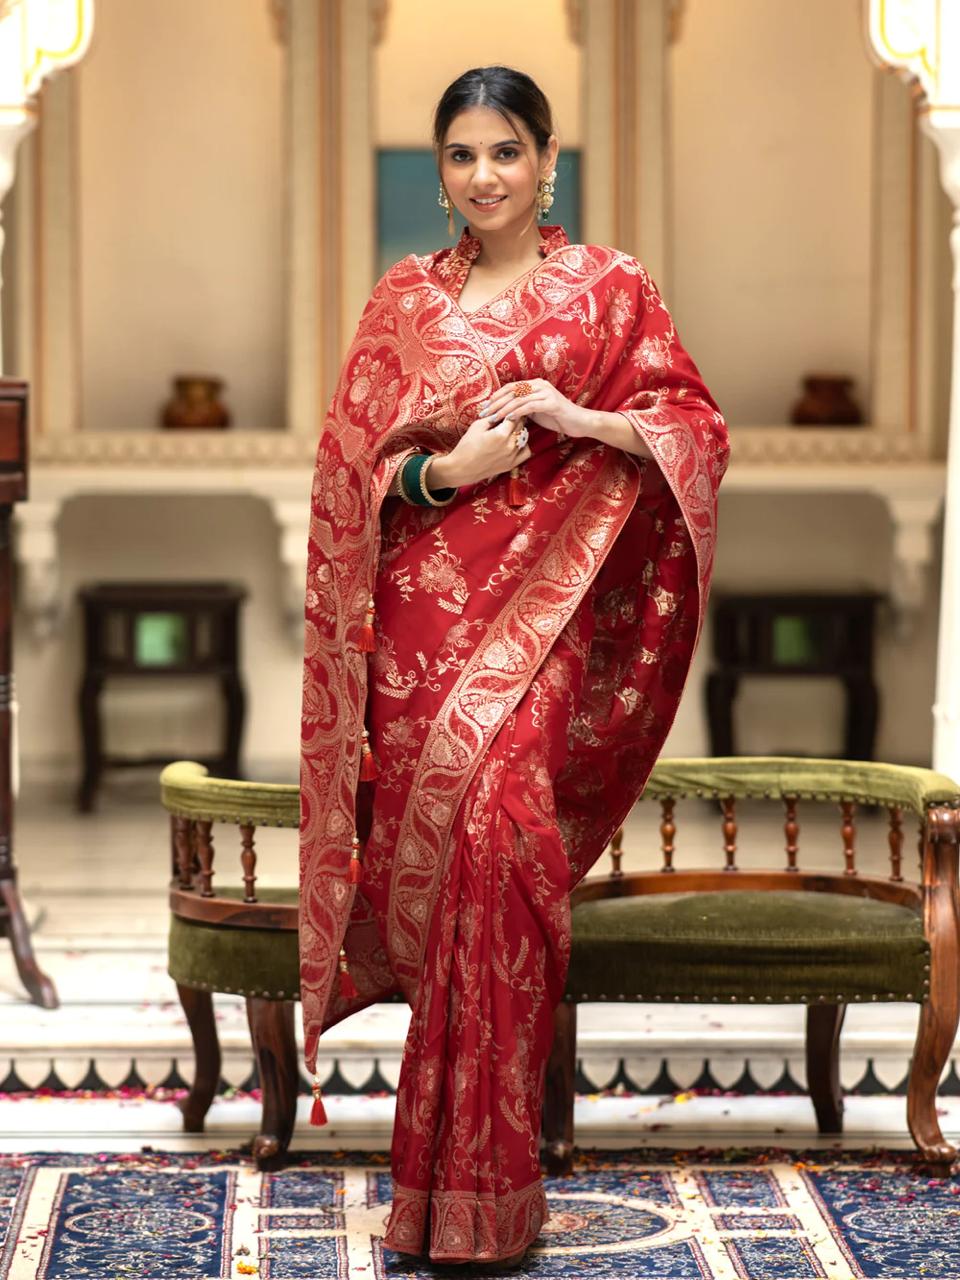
(550, 153)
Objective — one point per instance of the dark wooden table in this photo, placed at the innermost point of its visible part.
(164, 630)
(798, 634)
(13, 488)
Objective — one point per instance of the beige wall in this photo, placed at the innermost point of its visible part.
(765, 543)
(181, 209)
(116, 538)
(772, 174)
(829, 543)
(179, 110)
(428, 43)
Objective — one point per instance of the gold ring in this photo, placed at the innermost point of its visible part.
(522, 389)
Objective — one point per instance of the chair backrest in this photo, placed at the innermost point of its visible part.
(195, 802)
(931, 798)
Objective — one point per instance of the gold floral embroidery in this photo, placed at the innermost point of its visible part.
(441, 574)
(552, 351)
(619, 312)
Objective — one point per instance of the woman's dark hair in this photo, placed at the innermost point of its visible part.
(514, 95)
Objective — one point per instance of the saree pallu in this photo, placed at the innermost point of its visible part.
(528, 663)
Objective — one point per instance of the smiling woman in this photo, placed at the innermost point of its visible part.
(512, 536)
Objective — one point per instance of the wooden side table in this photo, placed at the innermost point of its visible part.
(164, 630)
(791, 635)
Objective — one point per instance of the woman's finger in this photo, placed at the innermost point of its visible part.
(538, 401)
(505, 394)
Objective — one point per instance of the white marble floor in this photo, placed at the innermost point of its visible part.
(96, 892)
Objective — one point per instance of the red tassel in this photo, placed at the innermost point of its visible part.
(368, 765)
(516, 490)
(348, 988)
(366, 640)
(318, 1115)
(353, 876)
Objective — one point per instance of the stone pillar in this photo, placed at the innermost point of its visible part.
(37, 38)
(946, 708)
(921, 40)
(626, 133)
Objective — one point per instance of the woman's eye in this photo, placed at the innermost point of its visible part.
(508, 153)
(460, 155)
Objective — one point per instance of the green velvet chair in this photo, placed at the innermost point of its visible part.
(724, 935)
(236, 939)
(786, 936)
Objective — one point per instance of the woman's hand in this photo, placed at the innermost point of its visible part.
(542, 404)
(484, 450)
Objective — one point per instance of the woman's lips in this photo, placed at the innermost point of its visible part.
(488, 204)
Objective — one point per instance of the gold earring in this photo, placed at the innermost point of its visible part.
(545, 194)
(444, 202)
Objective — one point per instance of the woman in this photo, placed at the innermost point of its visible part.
(512, 536)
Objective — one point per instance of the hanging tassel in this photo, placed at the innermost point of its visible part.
(516, 490)
(355, 866)
(348, 988)
(318, 1115)
(368, 765)
(366, 638)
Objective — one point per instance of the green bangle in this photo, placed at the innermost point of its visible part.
(413, 490)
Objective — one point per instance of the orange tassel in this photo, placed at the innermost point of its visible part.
(516, 490)
(366, 639)
(368, 765)
(348, 988)
(318, 1115)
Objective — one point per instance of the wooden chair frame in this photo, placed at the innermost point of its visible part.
(934, 801)
(196, 801)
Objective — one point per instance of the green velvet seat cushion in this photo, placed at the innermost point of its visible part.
(246, 962)
(747, 946)
(777, 946)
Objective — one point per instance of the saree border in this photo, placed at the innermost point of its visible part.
(423, 842)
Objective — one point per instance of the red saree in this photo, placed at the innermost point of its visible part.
(528, 664)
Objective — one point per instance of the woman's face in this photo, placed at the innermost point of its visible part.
(490, 167)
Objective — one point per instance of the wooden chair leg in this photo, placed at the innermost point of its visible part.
(824, 1022)
(940, 1013)
(198, 1006)
(559, 1093)
(275, 1050)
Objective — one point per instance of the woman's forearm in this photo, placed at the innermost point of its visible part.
(617, 430)
(443, 472)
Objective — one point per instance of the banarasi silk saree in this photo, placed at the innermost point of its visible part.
(522, 671)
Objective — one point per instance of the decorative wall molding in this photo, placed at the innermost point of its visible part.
(276, 468)
(174, 448)
(827, 446)
(824, 447)
(37, 39)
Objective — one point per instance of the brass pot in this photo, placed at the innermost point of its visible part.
(196, 403)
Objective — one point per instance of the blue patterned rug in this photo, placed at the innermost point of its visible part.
(643, 1215)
